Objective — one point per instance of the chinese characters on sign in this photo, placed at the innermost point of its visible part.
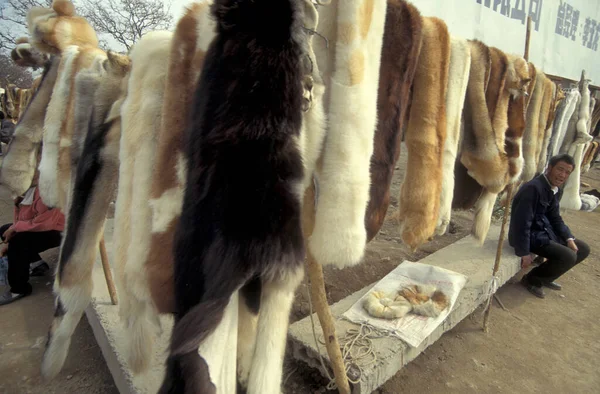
(517, 9)
(567, 24)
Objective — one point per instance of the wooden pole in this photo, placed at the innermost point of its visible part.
(107, 273)
(319, 297)
(509, 195)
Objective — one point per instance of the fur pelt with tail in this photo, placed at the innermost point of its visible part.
(18, 166)
(25, 55)
(141, 114)
(399, 55)
(343, 178)
(564, 112)
(510, 106)
(425, 137)
(589, 156)
(248, 109)
(483, 151)
(52, 30)
(530, 137)
(94, 181)
(559, 97)
(545, 112)
(458, 77)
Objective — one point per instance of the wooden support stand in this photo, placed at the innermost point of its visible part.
(107, 273)
(319, 298)
(507, 202)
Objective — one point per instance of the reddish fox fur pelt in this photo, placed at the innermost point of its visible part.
(425, 137)
(399, 55)
(52, 30)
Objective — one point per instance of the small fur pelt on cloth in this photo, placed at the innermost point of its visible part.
(94, 182)
(52, 30)
(18, 166)
(458, 77)
(399, 56)
(419, 202)
(589, 202)
(343, 178)
(233, 234)
(25, 55)
(425, 300)
(530, 137)
(386, 306)
(564, 113)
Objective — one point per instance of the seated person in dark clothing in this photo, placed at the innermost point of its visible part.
(35, 229)
(536, 227)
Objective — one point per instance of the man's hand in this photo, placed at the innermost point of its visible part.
(526, 261)
(8, 234)
(3, 249)
(571, 244)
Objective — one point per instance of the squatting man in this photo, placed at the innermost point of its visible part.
(536, 227)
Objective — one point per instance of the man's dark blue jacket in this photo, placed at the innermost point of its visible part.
(535, 219)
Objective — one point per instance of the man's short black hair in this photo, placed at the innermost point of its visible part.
(554, 160)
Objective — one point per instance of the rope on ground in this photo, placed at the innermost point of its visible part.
(356, 346)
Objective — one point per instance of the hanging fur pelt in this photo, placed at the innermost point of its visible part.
(399, 55)
(233, 234)
(343, 177)
(564, 113)
(584, 166)
(18, 166)
(559, 98)
(458, 77)
(515, 88)
(530, 137)
(419, 201)
(94, 181)
(571, 198)
(589, 155)
(542, 141)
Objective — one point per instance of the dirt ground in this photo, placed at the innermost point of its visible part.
(536, 346)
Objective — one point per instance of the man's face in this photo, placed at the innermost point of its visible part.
(559, 174)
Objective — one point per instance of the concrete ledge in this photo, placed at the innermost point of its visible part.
(464, 256)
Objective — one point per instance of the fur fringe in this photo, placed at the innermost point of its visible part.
(425, 137)
(458, 77)
(399, 56)
(339, 236)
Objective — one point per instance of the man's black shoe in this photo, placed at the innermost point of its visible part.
(553, 285)
(535, 290)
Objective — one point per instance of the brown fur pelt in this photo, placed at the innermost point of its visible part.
(557, 98)
(543, 131)
(399, 55)
(425, 137)
(52, 30)
(19, 163)
(483, 145)
(530, 137)
(589, 156)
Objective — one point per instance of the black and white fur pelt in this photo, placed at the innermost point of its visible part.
(240, 227)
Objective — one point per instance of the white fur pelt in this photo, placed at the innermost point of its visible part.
(458, 78)
(565, 112)
(141, 120)
(339, 236)
(571, 131)
(53, 123)
(18, 166)
(589, 202)
(571, 198)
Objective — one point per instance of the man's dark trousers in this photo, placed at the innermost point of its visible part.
(561, 258)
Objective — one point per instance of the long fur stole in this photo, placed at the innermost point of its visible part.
(399, 55)
(425, 137)
(18, 166)
(343, 179)
(247, 109)
(458, 77)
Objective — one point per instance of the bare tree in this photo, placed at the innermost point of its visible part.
(127, 20)
(11, 73)
(13, 22)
